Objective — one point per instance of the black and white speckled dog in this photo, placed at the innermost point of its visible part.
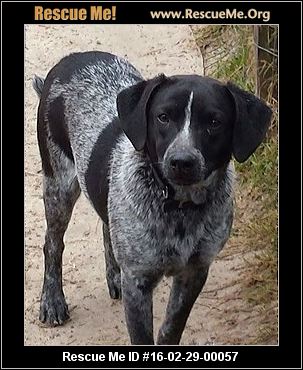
(153, 157)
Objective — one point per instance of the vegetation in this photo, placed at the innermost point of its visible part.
(229, 54)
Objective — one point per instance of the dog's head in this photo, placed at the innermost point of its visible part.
(192, 125)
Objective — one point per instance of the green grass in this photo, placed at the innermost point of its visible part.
(260, 170)
(258, 176)
(237, 68)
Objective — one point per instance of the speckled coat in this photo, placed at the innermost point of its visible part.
(87, 144)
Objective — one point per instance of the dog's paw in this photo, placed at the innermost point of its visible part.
(53, 309)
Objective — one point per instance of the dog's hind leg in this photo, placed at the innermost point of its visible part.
(60, 192)
(113, 274)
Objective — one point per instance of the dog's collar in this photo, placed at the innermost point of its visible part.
(172, 205)
(167, 190)
(168, 193)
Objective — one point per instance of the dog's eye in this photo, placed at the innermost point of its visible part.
(214, 127)
(163, 118)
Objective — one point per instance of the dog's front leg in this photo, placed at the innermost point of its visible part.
(137, 292)
(185, 290)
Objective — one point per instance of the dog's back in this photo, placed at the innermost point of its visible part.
(78, 102)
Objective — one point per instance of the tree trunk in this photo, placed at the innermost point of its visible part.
(266, 41)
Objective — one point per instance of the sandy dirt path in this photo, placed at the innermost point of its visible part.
(220, 315)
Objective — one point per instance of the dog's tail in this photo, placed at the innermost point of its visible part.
(38, 83)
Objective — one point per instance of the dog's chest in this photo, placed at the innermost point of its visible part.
(187, 238)
(168, 242)
(175, 243)
(146, 237)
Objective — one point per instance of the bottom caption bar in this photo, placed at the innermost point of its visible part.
(152, 356)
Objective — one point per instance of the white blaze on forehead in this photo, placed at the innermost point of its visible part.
(182, 140)
(185, 130)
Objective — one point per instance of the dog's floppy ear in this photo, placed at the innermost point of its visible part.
(132, 103)
(252, 121)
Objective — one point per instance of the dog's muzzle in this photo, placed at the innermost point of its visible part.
(183, 168)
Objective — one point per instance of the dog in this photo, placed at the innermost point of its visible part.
(154, 158)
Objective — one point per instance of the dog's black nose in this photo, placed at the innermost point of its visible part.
(182, 163)
(184, 168)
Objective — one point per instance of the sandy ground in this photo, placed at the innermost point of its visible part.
(220, 315)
